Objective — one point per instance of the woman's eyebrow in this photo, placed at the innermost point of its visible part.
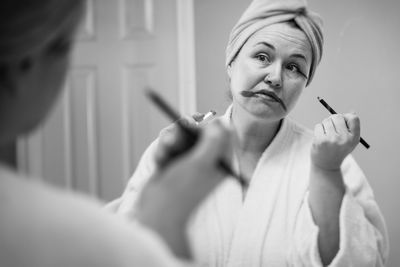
(301, 56)
(266, 44)
(296, 55)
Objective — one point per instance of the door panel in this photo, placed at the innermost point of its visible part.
(102, 123)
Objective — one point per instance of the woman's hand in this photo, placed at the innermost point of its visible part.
(172, 141)
(177, 189)
(334, 139)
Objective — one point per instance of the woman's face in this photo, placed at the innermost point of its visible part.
(270, 71)
(45, 80)
(37, 85)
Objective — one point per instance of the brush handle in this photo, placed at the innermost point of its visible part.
(191, 135)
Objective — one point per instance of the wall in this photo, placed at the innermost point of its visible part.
(359, 71)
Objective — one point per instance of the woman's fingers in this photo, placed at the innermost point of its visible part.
(339, 123)
(166, 141)
(342, 124)
(334, 139)
(329, 126)
(172, 141)
(353, 124)
(198, 117)
(203, 118)
(188, 121)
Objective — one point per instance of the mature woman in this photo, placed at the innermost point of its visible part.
(306, 202)
(44, 227)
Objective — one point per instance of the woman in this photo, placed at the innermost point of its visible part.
(44, 227)
(306, 203)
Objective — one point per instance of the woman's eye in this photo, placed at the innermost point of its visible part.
(60, 46)
(293, 68)
(263, 58)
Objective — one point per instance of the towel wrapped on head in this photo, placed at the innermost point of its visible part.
(262, 13)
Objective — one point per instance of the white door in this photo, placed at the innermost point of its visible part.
(102, 124)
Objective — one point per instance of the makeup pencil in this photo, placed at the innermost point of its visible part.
(332, 111)
(191, 133)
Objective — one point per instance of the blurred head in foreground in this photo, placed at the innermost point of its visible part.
(36, 38)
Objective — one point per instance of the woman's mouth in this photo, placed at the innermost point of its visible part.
(265, 93)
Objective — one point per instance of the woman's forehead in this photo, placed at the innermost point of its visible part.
(281, 36)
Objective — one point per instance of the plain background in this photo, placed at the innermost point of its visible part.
(359, 71)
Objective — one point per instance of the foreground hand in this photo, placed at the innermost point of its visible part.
(334, 139)
(176, 190)
(172, 142)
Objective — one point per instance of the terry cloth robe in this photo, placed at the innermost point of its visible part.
(41, 226)
(273, 225)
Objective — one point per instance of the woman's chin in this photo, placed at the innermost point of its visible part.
(267, 111)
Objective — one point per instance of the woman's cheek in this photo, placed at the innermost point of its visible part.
(292, 99)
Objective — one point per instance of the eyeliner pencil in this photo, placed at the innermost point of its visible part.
(191, 133)
(362, 141)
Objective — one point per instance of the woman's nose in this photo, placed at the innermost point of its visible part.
(273, 76)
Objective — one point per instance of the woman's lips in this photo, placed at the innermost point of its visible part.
(266, 93)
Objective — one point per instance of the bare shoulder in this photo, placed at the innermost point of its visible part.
(45, 226)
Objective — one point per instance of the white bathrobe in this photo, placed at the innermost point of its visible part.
(41, 226)
(273, 225)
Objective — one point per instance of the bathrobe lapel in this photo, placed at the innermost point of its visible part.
(269, 201)
(230, 231)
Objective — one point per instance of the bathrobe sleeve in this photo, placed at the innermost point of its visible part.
(126, 204)
(363, 233)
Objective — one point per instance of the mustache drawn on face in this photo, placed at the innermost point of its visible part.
(264, 92)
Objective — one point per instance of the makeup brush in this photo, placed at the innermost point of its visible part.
(191, 134)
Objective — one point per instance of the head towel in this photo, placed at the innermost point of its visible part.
(262, 13)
